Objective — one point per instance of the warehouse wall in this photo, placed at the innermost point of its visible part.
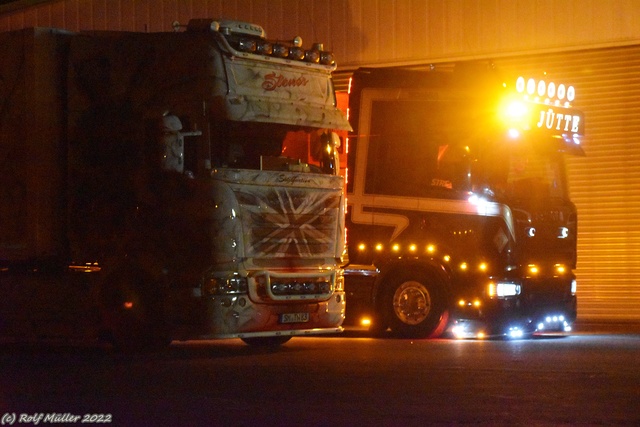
(368, 32)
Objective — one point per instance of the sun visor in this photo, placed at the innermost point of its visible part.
(269, 110)
(278, 91)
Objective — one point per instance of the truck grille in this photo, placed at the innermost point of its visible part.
(289, 222)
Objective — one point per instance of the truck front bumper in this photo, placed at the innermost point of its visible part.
(543, 306)
(239, 317)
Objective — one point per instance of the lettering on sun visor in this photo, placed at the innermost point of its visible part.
(273, 81)
(552, 120)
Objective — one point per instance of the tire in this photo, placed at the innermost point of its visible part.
(132, 314)
(413, 304)
(266, 341)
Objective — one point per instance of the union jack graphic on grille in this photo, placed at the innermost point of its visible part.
(289, 222)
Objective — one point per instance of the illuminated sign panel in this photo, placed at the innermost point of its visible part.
(549, 107)
(557, 119)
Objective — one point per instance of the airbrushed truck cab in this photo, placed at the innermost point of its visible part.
(459, 213)
(279, 203)
(188, 181)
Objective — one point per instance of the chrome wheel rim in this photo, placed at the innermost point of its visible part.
(412, 303)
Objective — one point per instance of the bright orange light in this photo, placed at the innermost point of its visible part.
(515, 110)
(396, 247)
(515, 114)
(128, 305)
(431, 249)
(365, 321)
(361, 246)
(483, 266)
(461, 303)
(379, 247)
(463, 266)
(412, 248)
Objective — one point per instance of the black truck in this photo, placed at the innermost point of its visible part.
(459, 217)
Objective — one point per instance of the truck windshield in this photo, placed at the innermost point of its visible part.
(428, 153)
(517, 172)
(415, 149)
(269, 146)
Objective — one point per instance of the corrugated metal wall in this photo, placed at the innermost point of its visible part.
(368, 32)
(605, 183)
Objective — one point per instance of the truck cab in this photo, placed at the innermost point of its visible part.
(459, 214)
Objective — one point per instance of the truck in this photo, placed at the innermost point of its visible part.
(170, 185)
(459, 218)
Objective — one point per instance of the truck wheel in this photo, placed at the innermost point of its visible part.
(413, 305)
(266, 341)
(132, 314)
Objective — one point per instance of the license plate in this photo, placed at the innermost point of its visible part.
(294, 317)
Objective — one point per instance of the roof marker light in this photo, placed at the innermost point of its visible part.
(548, 91)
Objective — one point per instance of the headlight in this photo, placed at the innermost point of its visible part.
(286, 286)
(326, 58)
(503, 289)
(264, 48)
(280, 50)
(226, 285)
(247, 45)
(300, 287)
(296, 52)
